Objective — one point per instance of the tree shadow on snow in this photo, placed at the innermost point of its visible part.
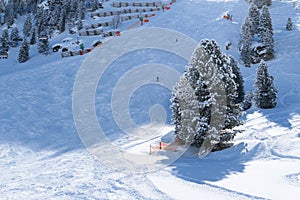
(216, 166)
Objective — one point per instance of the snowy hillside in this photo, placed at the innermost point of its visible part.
(44, 155)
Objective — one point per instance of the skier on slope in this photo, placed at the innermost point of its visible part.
(142, 20)
(229, 16)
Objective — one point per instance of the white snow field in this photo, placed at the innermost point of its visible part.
(42, 156)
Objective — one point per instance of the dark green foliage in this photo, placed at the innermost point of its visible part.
(265, 92)
(27, 26)
(265, 20)
(247, 33)
(238, 79)
(204, 100)
(43, 45)
(9, 16)
(23, 52)
(4, 41)
(254, 16)
(14, 37)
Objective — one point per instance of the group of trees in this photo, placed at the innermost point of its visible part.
(207, 99)
(256, 42)
(44, 19)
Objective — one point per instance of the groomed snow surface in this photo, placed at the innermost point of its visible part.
(42, 157)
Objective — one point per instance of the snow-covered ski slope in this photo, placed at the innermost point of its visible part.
(42, 157)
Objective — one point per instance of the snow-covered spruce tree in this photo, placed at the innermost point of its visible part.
(246, 53)
(80, 10)
(27, 26)
(43, 45)
(266, 33)
(62, 20)
(40, 21)
(14, 37)
(254, 17)
(265, 20)
(289, 24)
(245, 43)
(232, 110)
(4, 40)
(9, 13)
(234, 92)
(23, 52)
(204, 100)
(266, 37)
(265, 93)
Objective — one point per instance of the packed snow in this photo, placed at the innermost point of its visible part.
(42, 156)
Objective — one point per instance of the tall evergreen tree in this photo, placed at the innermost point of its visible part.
(254, 17)
(43, 45)
(62, 20)
(265, 93)
(9, 16)
(23, 52)
(27, 26)
(204, 100)
(80, 10)
(266, 32)
(5, 40)
(266, 37)
(228, 110)
(14, 37)
(246, 38)
(232, 87)
(265, 20)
